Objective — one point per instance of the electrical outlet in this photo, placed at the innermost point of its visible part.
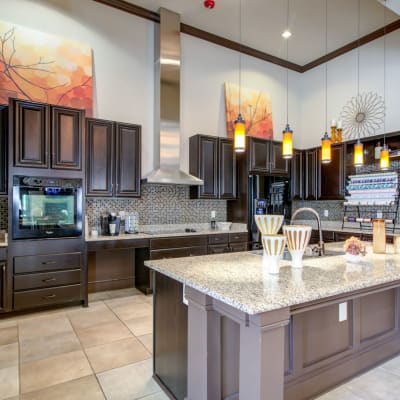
(343, 312)
(326, 213)
(379, 214)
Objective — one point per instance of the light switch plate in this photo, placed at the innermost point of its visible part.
(326, 213)
(343, 312)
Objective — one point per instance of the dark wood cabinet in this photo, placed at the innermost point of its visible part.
(100, 157)
(3, 148)
(66, 138)
(213, 160)
(331, 177)
(297, 175)
(128, 160)
(311, 174)
(31, 133)
(39, 127)
(265, 157)
(3, 285)
(113, 159)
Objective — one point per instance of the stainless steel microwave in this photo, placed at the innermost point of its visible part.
(46, 207)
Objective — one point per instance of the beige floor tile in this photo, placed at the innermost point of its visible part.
(392, 365)
(116, 354)
(51, 371)
(341, 393)
(140, 326)
(8, 355)
(130, 382)
(47, 346)
(42, 315)
(123, 301)
(147, 341)
(131, 311)
(86, 388)
(8, 322)
(114, 294)
(149, 299)
(96, 314)
(156, 396)
(8, 335)
(105, 333)
(39, 328)
(9, 383)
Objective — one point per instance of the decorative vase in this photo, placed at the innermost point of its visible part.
(268, 224)
(297, 237)
(274, 246)
(353, 258)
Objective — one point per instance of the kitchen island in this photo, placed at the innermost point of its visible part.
(250, 335)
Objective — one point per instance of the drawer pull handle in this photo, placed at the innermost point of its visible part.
(50, 296)
(49, 280)
(48, 262)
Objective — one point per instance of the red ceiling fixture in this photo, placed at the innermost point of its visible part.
(210, 4)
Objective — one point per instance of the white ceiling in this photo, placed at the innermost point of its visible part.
(263, 22)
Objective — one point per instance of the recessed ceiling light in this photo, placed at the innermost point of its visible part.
(286, 34)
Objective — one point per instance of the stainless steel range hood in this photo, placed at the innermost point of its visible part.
(167, 139)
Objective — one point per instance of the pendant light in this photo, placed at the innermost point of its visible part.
(326, 153)
(358, 147)
(287, 139)
(239, 133)
(384, 159)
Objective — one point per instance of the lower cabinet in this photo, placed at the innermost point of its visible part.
(227, 243)
(48, 279)
(3, 279)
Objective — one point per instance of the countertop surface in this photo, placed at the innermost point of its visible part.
(241, 281)
(152, 232)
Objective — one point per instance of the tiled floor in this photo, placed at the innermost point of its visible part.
(94, 353)
(104, 352)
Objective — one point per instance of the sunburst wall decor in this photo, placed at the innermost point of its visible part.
(363, 115)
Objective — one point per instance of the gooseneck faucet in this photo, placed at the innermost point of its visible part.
(321, 244)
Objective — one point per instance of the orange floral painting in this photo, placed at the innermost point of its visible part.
(46, 68)
(255, 107)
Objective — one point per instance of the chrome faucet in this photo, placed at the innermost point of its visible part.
(321, 244)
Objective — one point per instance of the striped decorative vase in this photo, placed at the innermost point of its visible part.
(297, 237)
(273, 250)
(268, 224)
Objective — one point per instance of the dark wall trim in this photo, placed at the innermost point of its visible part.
(353, 45)
(232, 45)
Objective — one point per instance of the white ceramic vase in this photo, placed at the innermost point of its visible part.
(268, 224)
(274, 246)
(297, 237)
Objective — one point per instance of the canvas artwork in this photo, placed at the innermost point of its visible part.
(256, 110)
(46, 68)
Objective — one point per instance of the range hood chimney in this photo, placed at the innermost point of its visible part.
(167, 138)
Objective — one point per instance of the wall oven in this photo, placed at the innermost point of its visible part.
(46, 207)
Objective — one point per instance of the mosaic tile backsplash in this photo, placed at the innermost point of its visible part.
(159, 204)
(4, 212)
(334, 207)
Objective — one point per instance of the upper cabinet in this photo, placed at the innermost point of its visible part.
(265, 157)
(311, 174)
(113, 166)
(3, 148)
(297, 175)
(331, 177)
(39, 128)
(213, 160)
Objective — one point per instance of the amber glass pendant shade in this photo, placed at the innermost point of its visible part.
(326, 153)
(287, 143)
(239, 135)
(358, 154)
(384, 160)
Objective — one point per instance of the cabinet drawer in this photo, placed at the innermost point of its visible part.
(47, 279)
(218, 249)
(3, 253)
(47, 262)
(239, 247)
(238, 237)
(180, 252)
(219, 238)
(43, 297)
(180, 241)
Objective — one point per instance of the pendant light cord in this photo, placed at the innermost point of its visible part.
(326, 66)
(358, 61)
(240, 55)
(287, 69)
(384, 72)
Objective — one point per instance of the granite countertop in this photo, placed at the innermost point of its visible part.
(240, 280)
(3, 244)
(169, 231)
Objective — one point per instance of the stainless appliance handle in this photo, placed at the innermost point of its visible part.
(48, 280)
(50, 296)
